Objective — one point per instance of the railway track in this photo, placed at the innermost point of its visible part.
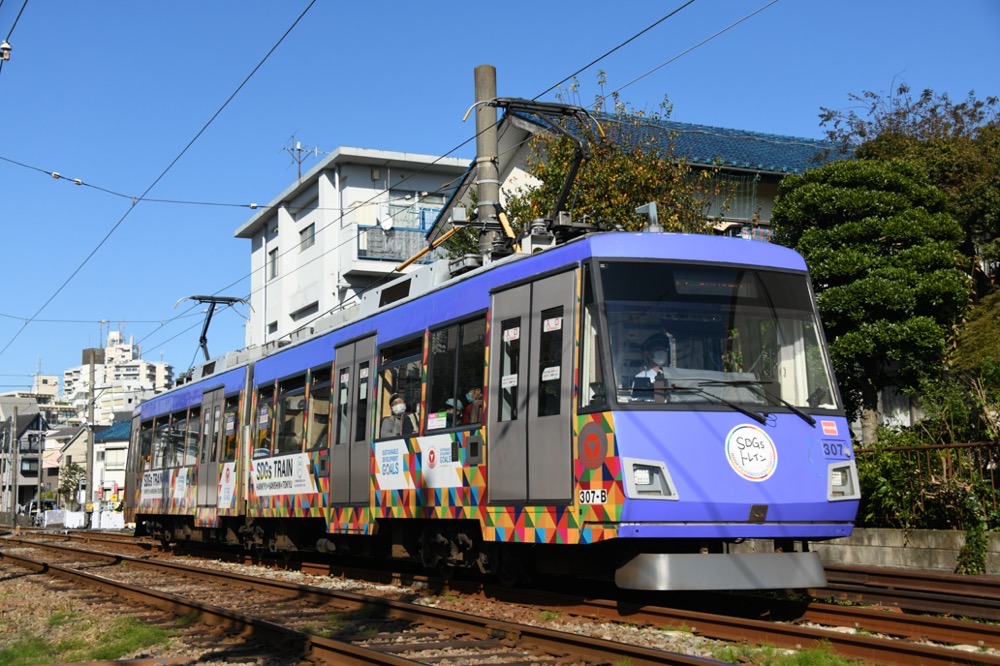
(875, 634)
(924, 592)
(323, 625)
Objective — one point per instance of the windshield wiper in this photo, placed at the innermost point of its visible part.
(757, 385)
(759, 418)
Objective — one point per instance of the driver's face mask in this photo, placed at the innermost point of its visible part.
(660, 357)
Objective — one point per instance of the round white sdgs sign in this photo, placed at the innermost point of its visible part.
(751, 453)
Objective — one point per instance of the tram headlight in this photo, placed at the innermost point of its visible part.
(842, 481)
(648, 479)
(642, 476)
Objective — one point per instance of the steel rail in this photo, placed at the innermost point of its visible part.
(331, 651)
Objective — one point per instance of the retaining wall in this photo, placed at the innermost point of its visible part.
(936, 550)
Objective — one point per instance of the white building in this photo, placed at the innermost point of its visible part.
(46, 386)
(121, 379)
(344, 225)
(110, 453)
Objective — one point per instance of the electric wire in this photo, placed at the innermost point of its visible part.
(377, 195)
(158, 178)
(14, 25)
(84, 321)
(357, 296)
(370, 200)
(689, 50)
(554, 86)
(626, 42)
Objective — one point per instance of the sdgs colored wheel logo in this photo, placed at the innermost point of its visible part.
(751, 453)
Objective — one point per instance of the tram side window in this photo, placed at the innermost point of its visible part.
(291, 415)
(361, 422)
(456, 375)
(146, 445)
(174, 453)
(161, 441)
(510, 359)
(593, 390)
(399, 374)
(213, 455)
(550, 362)
(265, 409)
(193, 431)
(318, 427)
(343, 404)
(231, 435)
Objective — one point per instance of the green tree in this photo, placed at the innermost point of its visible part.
(633, 162)
(70, 477)
(883, 255)
(956, 144)
(978, 339)
(974, 362)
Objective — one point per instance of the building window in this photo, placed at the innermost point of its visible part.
(307, 237)
(115, 459)
(732, 197)
(272, 264)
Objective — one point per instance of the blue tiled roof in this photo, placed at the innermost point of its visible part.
(116, 432)
(738, 149)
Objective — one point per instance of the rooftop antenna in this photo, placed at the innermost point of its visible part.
(212, 302)
(300, 154)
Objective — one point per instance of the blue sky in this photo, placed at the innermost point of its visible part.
(111, 92)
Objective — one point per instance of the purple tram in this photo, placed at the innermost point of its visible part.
(627, 405)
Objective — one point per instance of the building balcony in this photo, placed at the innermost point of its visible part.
(377, 248)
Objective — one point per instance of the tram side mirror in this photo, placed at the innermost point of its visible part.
(816, 396)
(599, 393)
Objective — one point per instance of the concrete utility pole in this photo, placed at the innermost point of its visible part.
(91, 397)
(486, 158)
(15, 469)
(41, 466)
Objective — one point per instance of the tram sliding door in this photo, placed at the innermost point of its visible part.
(531, 372)
(208, 456)
(349, 456)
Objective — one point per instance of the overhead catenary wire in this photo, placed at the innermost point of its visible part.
(690, 49)
(163, 173)
(607, 53)
(585, 67)
(88, 321)
(378, 194)
(10, 32)
(144, 198)
(371, 199)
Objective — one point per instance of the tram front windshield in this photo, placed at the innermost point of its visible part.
(712, 335)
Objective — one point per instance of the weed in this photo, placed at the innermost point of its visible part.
(125, 635)
(767, 655)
